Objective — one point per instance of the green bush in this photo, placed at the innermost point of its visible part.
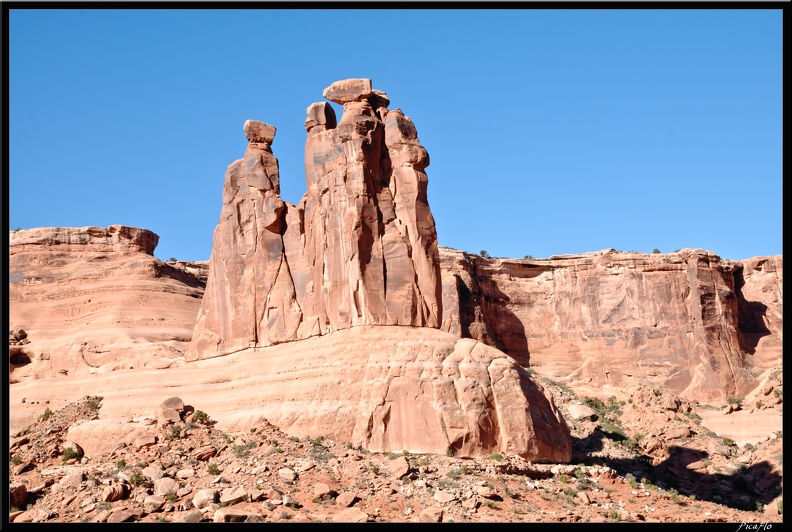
(498, 457)
(47, 414)
(95, 402)
(175, 432)
(69, 453)
(200, 416)
(212, 469)
(136, 477)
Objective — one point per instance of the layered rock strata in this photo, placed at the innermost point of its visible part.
(359, 249)
(383, 388)
(678, 320)
(93, 299)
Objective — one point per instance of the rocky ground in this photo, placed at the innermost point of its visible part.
(640, 457)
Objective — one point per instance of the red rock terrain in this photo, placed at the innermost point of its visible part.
(690, 322)
(174, 464)
(352, 370)
(92, 300)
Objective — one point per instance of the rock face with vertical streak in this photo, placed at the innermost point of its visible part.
(689, 321)
(359, 249)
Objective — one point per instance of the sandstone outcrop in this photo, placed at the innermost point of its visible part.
(93, 299)
(383, 388)
(679, 320)
(359, 249)
(760, 302)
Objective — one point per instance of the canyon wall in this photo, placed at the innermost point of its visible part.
(94, 299)
(688, 321)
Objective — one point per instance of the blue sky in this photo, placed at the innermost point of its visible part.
(549, 131)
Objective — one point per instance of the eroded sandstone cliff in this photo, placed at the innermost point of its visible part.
(95, 299)
(689, 321)
(359, 249)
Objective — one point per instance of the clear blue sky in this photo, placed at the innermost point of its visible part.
(549, 131)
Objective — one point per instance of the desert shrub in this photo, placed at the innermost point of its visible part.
(95, 402)
(450, 451)
(447, 484)
(568, 491)
(498, 457)
(320, 453)
(212, 469)
(242, 451)
(655, 250)
(175, 432)
(16, 459)
(595, 404)
(734, 401)
(136, 477)
(121, 464)
(47, 414)
(199, 416)
(69, 453)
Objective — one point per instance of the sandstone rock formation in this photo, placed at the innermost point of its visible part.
(94, 299)
(760, 302)
(679, 320)
(383, 388)
(359, 249)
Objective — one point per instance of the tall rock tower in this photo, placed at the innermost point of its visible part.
(359, 249)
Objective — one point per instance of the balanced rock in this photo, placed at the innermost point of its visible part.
(348, 90)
